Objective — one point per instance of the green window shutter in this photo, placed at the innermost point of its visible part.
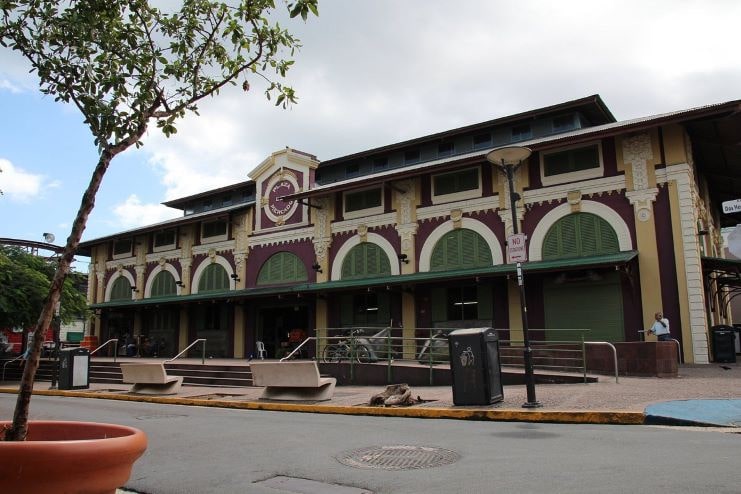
(213, 279)
(439, 301)
(365, 260)
(163, 284)
(460, 249)
(580, 235)
(121, 289)
(283, 267)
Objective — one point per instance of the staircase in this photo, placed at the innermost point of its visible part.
(223, 376)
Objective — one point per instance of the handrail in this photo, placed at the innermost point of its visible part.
(9, 361)
(287, 357)
(115, 348)
(203, 355)
(679, 350)
(614, 354)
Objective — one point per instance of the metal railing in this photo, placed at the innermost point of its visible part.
(298, 350)
(8, 362)
(115, 347)
(379, 346)
(203, 355)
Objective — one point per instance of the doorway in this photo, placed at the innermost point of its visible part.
(282, 328)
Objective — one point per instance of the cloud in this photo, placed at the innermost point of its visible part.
(6, 85)
(133, 213)
(19, 185)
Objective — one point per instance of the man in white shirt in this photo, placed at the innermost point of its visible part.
(661, 328)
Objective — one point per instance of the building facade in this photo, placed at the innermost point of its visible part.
(622, 219)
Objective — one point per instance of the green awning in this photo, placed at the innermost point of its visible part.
(617, 259)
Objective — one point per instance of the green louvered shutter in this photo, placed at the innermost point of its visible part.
(283, 267)
(365, 260)
(213, 279)
(580, 235)
(121, 289)
(460, 249)
(163, 284)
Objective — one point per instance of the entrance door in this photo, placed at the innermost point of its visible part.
(589, 301)
(275, 326)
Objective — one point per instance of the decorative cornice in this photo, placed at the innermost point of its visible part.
(226, 245)
(376, 221)
(588, 188)
(282, 237)
(167, 254)
(489, 203)
(126, 262)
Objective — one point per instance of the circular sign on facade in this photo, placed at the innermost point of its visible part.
(277, 209)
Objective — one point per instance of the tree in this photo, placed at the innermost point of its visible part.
(127, 64)
(24, 284)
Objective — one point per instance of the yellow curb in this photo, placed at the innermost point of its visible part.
(554, 416)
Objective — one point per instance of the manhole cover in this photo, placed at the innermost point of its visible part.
(398, 457)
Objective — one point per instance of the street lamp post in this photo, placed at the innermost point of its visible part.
(508, 160)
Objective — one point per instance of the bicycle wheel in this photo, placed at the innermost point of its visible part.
(333, 353)
(362, 354)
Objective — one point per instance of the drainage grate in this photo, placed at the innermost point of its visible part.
(398, 457)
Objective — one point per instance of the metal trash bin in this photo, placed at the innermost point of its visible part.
(74, 368)
(475, 366)
(724, 343)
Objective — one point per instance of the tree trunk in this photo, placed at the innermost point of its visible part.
(19, 429)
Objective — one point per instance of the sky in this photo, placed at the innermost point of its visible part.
(369, 74)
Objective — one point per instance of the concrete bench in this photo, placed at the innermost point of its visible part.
(293, 380)
(150, 378)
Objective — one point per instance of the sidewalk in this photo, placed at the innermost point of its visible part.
(701, 395)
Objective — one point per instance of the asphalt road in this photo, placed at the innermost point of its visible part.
(208, 450)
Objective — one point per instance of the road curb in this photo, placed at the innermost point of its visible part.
(496, 415)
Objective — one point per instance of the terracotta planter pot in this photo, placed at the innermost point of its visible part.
(70, 457)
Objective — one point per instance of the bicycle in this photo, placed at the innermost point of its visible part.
(342, 350)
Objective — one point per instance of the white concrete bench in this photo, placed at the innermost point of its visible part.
(150, 378)
(293, 380)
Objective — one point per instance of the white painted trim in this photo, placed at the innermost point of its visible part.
(281, 236)
(469, 206)
(215, 238)
(587, 188)
(157, 270)
(227, 245)
(206, 262)
(455, 196)
(572, 176)
(109, 287)
(605, 212)
(469, 224)
(376, 210)
(376, 221)
(373, 238)
(129, 261)
(168, 255)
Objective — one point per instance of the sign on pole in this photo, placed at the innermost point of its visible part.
(733, 206)
(516, 248)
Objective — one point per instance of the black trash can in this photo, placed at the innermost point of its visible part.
(74, 368)
(724, 343)
(475, 366)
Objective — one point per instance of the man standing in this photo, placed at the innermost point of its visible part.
(661, 328)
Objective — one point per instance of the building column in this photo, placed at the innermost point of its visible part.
(321, 322)
(184, 325)
(514, 309)
(239, 327)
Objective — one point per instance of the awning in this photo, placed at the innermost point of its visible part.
(554, 265)
(727, 272)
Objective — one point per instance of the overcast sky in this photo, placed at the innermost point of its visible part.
(372, 73)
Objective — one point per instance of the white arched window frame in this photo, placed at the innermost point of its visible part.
(109, 287)
(605, 212)
(469, 224)
(157, 270)
(215, 260)
(373, 238)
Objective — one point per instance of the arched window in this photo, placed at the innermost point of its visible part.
(283, 267)
(163, 285)
(213, 279)
(580, 235)
(121, 289)
(460, 249)
(365, 260)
